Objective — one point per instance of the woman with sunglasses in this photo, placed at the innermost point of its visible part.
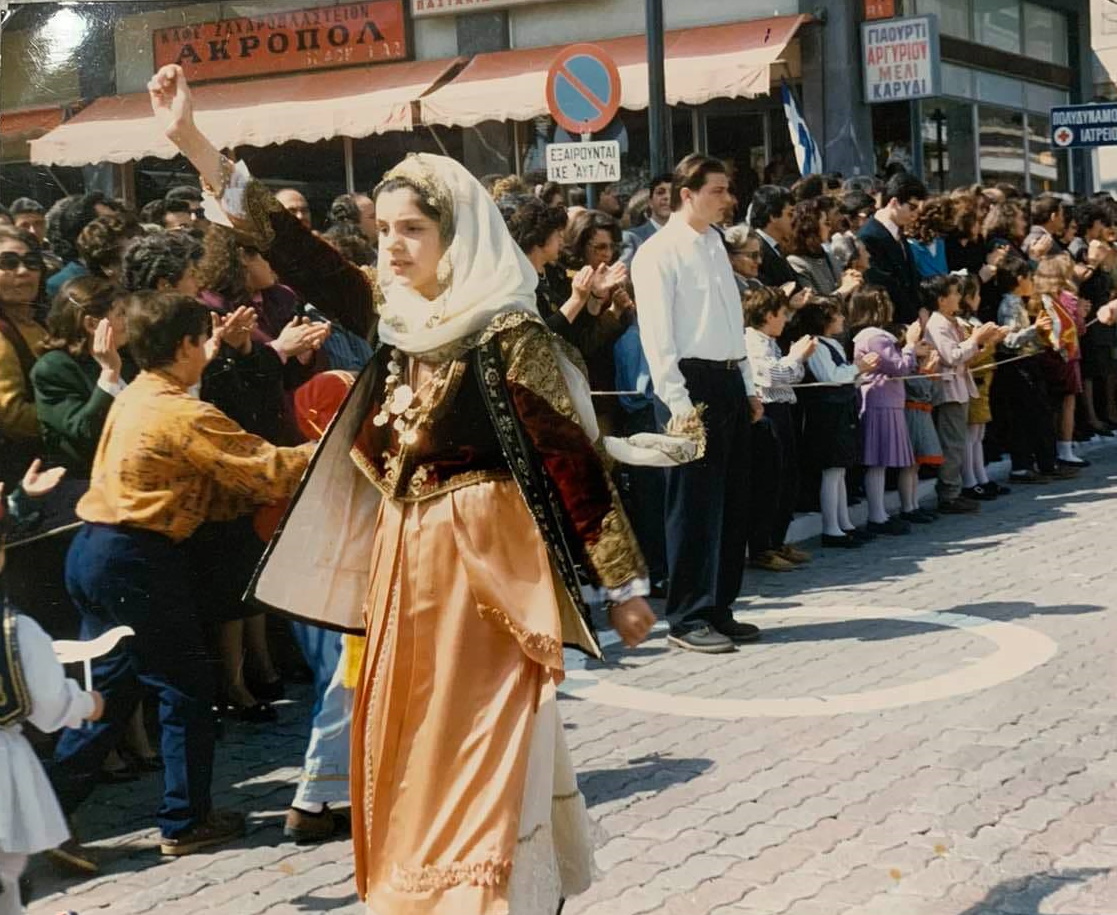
(21, 335)
(743, 245)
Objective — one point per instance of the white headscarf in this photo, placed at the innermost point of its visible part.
(486, 272)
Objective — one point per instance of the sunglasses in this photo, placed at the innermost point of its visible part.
(10, 261)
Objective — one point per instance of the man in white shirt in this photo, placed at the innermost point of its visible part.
(693, 335)
(659, 206)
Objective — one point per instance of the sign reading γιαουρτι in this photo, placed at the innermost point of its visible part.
(901, 59)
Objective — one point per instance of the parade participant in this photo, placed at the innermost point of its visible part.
(462, 473)
(693, 334)
(21, 272)
(166, 462)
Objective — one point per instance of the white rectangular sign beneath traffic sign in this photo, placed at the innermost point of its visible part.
(584, 163)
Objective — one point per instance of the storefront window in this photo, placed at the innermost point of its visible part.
(948, 144)
(996, 24)
(1045, 34)
(1048, 167)
(738, 139)
(1001, 145)
(954, 15)
(315, 169)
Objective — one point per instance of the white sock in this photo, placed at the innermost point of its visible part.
(1065, 452)
(908, 485)
(844, 521)
(830, 498)
(979, 455)
(874, 493)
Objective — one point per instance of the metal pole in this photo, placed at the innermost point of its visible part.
(657, 89)
(350, 174)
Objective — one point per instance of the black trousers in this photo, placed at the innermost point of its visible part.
(775, 477)
(706, 503)
(641, 490)
(1022, 405)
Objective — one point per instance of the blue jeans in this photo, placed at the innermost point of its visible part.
(325, 775)
(119, 576)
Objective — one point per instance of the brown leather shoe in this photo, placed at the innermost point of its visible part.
(794, 554)
(73, 858)
(220, 826)
(771, 561)
(310, 828)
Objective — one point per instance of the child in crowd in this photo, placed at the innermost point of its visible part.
(942, 295)
(975, 480)
(884, 433)
(830, 425)
(1054, 293)
(1020, 393)
(775, 451)
(919, 405)
(33, 688)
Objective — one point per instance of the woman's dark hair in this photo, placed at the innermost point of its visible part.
(768, 202)
(806, 237)
(870, 306)
(11, 233)
(934, 288)
(934, 218)
(969, 285)
(814, 317)
(1001, 221)
(153, 212)
(220, 268)
(350, 242)
(78, 299)
(691, 173)
(549, 190)
(422, 201)
(68, 217)
(808, 187)
(1086, 214)
(99, 244)
(854, 202)
(532, 223)
(580, 232)
(158, 322)
(159, 256)
(758, 304)
(1044, 207)
(343, 209)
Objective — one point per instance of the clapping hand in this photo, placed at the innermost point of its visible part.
(38, 482)
(234, 328)
(104, 351)
(301, 336)
(1041, 246)
(581, 285)
(913, 334)
(868, 363)
(802, 348)
(852, 280)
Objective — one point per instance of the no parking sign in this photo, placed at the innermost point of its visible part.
(583, 89)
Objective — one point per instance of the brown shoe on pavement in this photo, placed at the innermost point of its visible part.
(219, 827)
(771, 561)
(794, 554)
(309, 828)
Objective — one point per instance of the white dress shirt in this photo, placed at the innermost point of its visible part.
(689, 307)
(824, 366)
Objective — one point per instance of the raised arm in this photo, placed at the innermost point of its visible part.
(301, 259)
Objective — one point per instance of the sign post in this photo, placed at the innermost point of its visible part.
(583, 96)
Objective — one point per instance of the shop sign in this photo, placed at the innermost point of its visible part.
(1078, 126)
(901, 59)
(421, 8)
(596, 162)
(313, 39)
(879, 9)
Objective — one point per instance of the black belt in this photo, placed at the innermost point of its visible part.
(729, 365)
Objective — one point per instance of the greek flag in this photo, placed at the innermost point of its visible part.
(806, 150)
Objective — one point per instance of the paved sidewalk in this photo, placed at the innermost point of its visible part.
(929, 727)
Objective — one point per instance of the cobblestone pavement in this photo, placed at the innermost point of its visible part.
(927, 728)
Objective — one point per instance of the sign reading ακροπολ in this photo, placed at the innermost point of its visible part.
(584, 163)
(901, 59)
(1078, 126)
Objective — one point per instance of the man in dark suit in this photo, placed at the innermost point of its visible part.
(659, 211)
(770, 216)
(890, 262)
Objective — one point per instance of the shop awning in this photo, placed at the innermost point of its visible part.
(351, 102)
(718, 61)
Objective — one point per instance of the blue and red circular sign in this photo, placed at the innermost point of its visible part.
(583, 89)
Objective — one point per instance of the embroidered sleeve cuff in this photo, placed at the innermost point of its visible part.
(112, 388)
(638, 587)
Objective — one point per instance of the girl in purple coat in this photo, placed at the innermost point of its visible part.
(884, 433)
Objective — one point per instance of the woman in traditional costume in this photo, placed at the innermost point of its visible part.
(451, 512)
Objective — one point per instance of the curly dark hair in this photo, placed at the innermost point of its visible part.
(220, 268)
(933, 219)
(350, 242)
(159, 256)
(100, 243)
(533, 222)
(816, 316)
(580, 232)
(67, 217)
(806, 237)
(79, 298)
(758, 304)
(158, 322)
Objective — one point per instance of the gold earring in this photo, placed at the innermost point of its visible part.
(445, 272)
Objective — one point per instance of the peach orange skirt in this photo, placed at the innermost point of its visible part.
(464, 801)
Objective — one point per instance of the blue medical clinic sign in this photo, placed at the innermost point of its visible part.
(1084, 126)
